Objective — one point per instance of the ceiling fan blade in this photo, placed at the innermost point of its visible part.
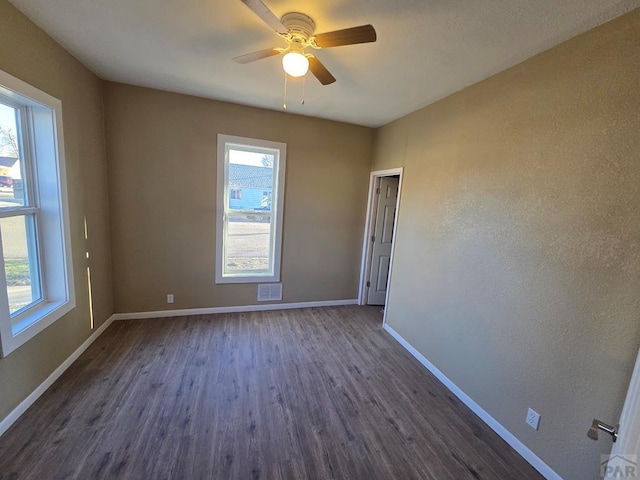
(348, 36)
(253, 56)
(320, 71)
(266, 15)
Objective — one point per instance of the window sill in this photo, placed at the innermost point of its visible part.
(247, 279)
(32, 322)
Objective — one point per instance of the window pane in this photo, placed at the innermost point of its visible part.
(20, 261)
(11, 186)
(248, 243)
(250, 180)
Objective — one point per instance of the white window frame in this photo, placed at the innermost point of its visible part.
(45, 156)
(277, 208)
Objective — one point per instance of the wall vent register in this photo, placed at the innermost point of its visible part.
(269, 292)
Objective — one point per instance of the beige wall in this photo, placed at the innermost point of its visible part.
(28, 53)
(517, 265)
(162, 171)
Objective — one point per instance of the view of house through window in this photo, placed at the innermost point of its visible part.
(250, 241)
(18, 216)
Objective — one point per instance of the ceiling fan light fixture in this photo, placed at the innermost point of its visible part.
(295, 64)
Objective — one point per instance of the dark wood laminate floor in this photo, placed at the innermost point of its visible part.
(319, 393)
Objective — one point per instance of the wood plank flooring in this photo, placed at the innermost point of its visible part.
(319, 393)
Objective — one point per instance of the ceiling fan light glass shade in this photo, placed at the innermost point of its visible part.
(295, 64)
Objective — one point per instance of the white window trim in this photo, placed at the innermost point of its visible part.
(222, 200)
(55, 232)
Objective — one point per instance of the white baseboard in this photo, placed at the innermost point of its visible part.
(535, 461)
(30, 400)
(234, 309)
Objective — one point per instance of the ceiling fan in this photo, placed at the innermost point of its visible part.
(298, 31)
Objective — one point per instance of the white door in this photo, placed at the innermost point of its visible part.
(625, 454)
(387, 194)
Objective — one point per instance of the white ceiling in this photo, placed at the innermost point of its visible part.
(426, 49)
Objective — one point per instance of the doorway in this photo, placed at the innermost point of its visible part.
(385, 187)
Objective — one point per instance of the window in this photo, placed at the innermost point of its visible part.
(35, 258)
(249, 238)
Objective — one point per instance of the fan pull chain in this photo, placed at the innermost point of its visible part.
(285, 91)
(303, 83)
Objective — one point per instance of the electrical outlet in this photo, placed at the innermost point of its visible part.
(533, 419)
(170, 298)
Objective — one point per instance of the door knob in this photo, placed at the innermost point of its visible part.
(598, 425)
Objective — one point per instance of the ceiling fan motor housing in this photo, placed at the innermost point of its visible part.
(300, 26)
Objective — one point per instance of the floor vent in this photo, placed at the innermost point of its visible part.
(269, 291)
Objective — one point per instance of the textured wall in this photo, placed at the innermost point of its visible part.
(162, 171)
(28, 53)
(517, 266)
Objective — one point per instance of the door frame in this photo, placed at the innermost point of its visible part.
(365, 265)
(629, 439)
